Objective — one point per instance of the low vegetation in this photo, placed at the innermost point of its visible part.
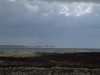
(50, 63)
(48, 71)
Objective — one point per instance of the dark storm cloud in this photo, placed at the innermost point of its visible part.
(69, 1)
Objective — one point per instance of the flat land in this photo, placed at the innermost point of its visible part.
(47, 59)
(49, 63)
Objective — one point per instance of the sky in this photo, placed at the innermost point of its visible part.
(59, 23)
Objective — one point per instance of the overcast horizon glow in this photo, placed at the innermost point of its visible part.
(60, 23)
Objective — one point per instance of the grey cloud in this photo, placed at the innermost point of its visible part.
(69, 1)
(60, 31)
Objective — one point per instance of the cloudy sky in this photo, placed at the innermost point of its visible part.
(60, 23)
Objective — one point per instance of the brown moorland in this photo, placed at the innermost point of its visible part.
(75, 59)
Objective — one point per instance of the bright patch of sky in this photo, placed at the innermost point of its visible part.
(77, 9)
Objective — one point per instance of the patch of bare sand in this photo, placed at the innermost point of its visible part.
(71, 51)
(17, 53)
(30, 53)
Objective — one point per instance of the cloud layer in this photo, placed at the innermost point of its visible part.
(77, 9)
(69, 1)
(31, 9)
(43, 23)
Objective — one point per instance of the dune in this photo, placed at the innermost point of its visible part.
(17, 53)
(35, 53)
(71, 51)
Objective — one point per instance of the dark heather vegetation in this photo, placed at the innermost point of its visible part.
(48, 71)
(89, 60)
(49, 63)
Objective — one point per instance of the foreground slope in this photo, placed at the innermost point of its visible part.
(47, 59)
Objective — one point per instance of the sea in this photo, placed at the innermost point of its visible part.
(49, 49)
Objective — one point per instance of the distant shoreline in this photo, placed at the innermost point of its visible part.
(22, 46)
(29, 47)
(19, 46)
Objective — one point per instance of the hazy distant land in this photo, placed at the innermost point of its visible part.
(22, 46)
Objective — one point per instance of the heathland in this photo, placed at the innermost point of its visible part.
(66, 62)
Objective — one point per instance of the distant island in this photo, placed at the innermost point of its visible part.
(46, 46)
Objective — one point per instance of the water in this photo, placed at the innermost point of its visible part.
(49, 49)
